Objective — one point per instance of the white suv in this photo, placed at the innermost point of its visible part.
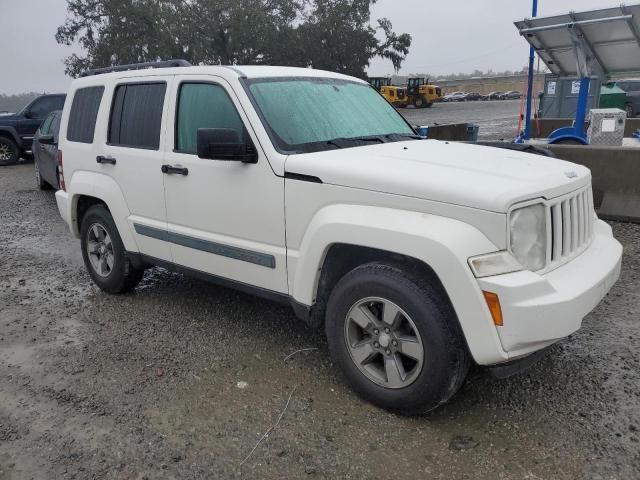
(306, 187)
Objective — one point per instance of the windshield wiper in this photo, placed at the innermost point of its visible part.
(337, 141)
(404, 135)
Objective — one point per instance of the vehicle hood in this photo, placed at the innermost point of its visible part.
(463, 174)
(8, 118)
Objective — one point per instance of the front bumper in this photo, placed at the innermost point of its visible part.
(539, 310)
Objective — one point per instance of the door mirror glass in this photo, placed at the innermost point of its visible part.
(224, 144)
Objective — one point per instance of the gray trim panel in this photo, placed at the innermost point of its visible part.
(249, 256)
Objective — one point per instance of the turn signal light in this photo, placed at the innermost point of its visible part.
(493, 302)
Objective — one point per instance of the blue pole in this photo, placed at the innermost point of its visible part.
(532, 52)
(583, 104)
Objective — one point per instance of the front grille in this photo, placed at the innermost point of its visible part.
(570, 219)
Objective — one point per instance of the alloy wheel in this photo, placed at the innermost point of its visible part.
(384, 342)
(100, 250)
(5, 152)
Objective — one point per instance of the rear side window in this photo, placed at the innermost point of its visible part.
(203, 105)
(136, 115)
(84, 112)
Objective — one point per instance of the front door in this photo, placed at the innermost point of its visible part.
(225, 218)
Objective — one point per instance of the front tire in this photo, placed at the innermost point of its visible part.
(396, 339)
(104, 254)
(418, 102)
(9, 152)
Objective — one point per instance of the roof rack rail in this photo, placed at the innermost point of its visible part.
(136, 66)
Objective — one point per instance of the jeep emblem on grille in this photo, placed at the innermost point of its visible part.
(571, 174)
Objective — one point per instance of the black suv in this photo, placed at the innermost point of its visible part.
(17, 130)
(632, 89)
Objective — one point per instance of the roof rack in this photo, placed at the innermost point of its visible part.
(136, 66)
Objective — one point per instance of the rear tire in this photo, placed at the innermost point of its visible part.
(9, 151)
(40, 183)
(428, 342)
(418, 102)
(104, 254)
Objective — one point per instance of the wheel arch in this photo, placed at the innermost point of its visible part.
(11, 133)
(90, 188)
(342, 237)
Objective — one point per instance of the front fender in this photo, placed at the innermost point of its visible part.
(442, 243)
(106, 189)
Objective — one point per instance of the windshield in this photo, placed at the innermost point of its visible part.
(314, 114)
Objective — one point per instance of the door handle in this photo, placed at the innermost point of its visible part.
(103, 160)
(170, 169)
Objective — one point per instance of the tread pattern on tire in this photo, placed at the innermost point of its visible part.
(129, 276)
(460, 359)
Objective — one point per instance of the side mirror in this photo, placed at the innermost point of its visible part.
(46, 140)
(225, 144)
(28, 114)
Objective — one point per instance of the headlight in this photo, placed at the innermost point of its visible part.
(528, 236)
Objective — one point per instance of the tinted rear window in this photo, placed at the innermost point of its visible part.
(136, 115)
(84, 112)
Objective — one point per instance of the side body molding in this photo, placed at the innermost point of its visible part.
(106, 189)
(442, 243)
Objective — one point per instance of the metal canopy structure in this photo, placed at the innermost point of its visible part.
(598, 42)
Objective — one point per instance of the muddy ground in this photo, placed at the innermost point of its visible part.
(180, 379)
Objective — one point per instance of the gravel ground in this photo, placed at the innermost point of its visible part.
(180, 379)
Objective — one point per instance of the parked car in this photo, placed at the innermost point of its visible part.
(416, 257)
(511, 95)
(492, 96)
(45, 148)
(455, 97)
(472, 96)
(632, 89)
(17, 130)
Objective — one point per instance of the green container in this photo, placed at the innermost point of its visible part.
(612, 96)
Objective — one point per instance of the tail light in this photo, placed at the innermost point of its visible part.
(61, 183)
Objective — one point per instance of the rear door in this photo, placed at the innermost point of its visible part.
(132, 156)
(225, 218)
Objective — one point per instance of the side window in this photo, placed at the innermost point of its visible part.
(44, 128)
(83, 115)
(54, 129)
(203, 105)
(44, 106)
(136, 115)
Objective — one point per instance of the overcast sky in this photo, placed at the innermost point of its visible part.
(448, 36)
